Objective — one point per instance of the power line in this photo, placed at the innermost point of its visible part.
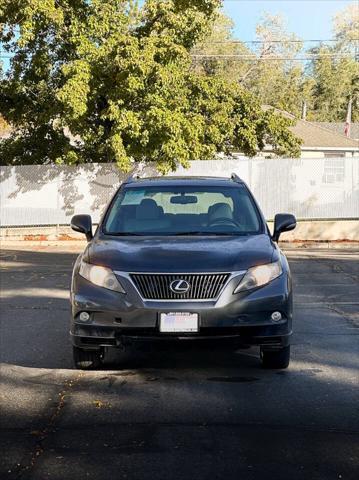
(272, 57)
(280, 41)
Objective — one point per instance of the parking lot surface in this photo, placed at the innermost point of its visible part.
(181, 412)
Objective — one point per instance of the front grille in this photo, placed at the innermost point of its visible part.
(201, 286)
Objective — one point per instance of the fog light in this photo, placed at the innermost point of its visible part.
(84, 316)
(276, 316)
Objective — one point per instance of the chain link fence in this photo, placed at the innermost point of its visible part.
(318, 188)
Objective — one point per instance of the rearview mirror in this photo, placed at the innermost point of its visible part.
(82, 224)
(184, 199)
(283, 222)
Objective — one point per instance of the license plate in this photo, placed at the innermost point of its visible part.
(178, 322)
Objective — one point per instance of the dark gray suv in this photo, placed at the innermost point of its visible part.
(181, 258)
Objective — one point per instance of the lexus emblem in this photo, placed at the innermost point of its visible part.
(180, 286)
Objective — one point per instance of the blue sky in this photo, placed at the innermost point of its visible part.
(309, 19)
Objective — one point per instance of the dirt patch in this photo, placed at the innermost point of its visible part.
(38, 238)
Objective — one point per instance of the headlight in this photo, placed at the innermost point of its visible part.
(101, 276)
(258, 276)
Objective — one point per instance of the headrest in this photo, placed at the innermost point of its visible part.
(220, 210)
(147, 210)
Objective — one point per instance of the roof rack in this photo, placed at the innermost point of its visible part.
(136, 173)
(236, 178)
(132, 178)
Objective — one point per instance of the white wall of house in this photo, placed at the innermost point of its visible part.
(318, 153)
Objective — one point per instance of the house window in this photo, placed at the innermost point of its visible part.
(334, 169)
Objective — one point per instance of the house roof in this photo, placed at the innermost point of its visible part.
(315, 136)
(339, 127)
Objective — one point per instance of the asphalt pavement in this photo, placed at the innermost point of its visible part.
(184, 412)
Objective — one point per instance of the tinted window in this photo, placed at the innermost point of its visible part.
(171, 210)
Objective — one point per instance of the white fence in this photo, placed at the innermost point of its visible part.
(325, 188)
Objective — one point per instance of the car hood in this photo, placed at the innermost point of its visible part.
(181, 254)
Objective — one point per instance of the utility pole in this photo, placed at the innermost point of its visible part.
(348, 120)
(304, 110)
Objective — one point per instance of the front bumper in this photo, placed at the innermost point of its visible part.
(117, 318)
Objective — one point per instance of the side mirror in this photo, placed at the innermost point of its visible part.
(82, 224)
(283, 222)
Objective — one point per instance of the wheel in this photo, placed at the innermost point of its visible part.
(87, 359)
(275, 358)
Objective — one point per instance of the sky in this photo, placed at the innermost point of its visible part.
(309, 19)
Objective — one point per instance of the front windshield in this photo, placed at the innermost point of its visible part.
(182, 210)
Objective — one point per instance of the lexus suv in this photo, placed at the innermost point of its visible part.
(181, 258)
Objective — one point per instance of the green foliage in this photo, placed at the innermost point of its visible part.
(274, 82)
(346, 24)
(220, 43)
(337, 80)
(277, 82)
(326, 83)
(334, 83)
(106, 81)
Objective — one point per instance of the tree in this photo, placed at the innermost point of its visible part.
(213, 55)
(325, 83)
(335, 73)
(346, 25)
(105, 81)
(277, 78)
(335, 82)
(272, 76)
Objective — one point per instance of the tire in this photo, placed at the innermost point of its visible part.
(87, 359)
(275, 358)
